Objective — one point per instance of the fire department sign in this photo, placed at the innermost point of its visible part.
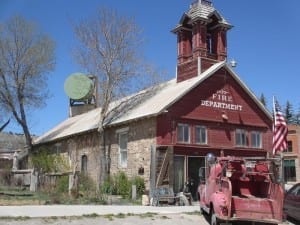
(222, 99)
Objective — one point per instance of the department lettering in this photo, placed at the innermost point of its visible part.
(221, 105)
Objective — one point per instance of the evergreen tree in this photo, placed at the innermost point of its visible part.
(263, 100)
(297, 117)
(289, 114)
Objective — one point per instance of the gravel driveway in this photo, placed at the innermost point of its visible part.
(143, 219)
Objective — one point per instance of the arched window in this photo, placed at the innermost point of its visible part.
(84, 164)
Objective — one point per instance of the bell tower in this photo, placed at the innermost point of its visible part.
(201, 39)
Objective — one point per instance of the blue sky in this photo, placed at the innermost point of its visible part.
(265, 41)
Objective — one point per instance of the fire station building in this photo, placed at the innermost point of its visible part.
(163, 133)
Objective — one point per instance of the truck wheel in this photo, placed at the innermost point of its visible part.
(202, 211)
(213, 219)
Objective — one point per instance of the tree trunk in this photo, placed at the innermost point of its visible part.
(103, 159)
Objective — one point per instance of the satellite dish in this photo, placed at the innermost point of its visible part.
(79, 87)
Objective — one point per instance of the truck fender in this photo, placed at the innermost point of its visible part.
(219, 204)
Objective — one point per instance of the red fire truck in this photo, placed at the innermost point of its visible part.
(241, 189)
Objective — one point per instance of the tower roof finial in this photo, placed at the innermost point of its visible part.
(202, 2)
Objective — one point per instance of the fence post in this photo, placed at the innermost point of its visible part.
(133, 192)
(33, 180)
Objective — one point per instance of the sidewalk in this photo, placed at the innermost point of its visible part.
(79, 210)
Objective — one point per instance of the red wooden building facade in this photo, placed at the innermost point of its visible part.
(219, 115)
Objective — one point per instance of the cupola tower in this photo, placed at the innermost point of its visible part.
(201, 39)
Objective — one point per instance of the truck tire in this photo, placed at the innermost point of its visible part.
(202, 211)
(213, 219)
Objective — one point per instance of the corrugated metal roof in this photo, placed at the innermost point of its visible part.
(73, 125)
(147, 103)
(164, 96)
(10, 142)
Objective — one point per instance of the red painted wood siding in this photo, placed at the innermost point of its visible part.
(220, 133)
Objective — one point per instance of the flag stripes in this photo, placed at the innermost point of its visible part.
(280, 130)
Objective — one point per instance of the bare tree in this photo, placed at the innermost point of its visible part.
(26, 56)
(4, 125)
(109, 46)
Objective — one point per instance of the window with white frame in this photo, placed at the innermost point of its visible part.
(200, 135)
(256, 140)
(241, 138)
(123, 139)
(183, 133)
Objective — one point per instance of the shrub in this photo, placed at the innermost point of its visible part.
(140, 185)
(122, 184)
(108, 187)
(46, 161)
(119, 184)
(62, 184)
(86, 184)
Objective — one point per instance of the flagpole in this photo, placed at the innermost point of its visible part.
(273, 127)
(282, 171)
(281, 156)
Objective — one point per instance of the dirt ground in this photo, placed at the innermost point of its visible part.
(144, 219)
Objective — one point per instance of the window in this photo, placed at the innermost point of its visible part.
(123, 139)
(289, 170)
(183, 133)
(200, 135)
(295, 190)
(84, 164)
(209, 43)
(57, 147)
(290, 147)
(256, 141)
(241, 138)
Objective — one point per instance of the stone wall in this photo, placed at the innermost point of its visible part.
(86, 145)
(141, 135)
(73, 148)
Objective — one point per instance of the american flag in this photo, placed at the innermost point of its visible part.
(280, 130)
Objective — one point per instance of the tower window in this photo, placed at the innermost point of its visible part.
(209, 43)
